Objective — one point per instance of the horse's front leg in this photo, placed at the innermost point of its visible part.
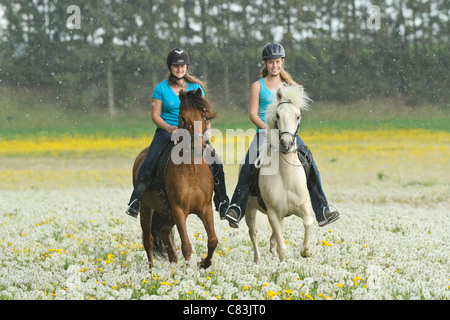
(307, 223)
(273, 239)
(180, 220)
(250, 219)
(208, 221)
(277, 233)
(165, 231)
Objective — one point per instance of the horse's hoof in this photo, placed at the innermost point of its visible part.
(306, 253)
(205, 264)
(173, 259)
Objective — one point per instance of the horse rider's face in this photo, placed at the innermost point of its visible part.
(274, 66)
(178, 70)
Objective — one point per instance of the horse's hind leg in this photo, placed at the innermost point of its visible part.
(250, 219)
(146, 225)
(166, 236)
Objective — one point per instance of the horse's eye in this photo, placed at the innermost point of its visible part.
(278, 116)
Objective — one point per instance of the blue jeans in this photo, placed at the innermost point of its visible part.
(160, 139)
(241, 192)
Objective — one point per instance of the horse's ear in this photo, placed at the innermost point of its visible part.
(279, 94)
(199, 92)
(182, 95)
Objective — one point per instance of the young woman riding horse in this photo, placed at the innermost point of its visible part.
(262, 93)
(165, 114)
(188, 185)
(283, 190)
(182, 184)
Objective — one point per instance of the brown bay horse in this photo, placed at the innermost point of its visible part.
(189, 187)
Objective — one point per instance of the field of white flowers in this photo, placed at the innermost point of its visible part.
(70, 239)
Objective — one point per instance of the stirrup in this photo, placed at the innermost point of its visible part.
(234, 221)
(333, 216)
(223, 210)
(133, 208)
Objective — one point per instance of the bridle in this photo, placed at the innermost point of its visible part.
(293, 135)
(182, 125)
(259, 160)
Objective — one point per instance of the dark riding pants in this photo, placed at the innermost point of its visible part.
(160, 139)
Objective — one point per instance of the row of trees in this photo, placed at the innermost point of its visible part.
(111, 53)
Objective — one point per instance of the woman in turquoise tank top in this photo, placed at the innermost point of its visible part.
(262, 94)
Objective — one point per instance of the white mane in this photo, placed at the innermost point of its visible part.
(295, 94)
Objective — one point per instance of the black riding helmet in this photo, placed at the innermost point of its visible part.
(273, 50)
(177, 56)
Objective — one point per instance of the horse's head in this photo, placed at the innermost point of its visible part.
(284, 114)
(195, 113)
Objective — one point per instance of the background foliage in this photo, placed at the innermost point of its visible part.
(121, 47)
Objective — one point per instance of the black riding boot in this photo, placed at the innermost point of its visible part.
(140, 187)
(319, 201)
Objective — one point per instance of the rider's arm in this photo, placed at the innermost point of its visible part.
(156, 116)
(253, 108)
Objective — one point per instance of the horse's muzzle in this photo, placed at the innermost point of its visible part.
(287, 145)
(287, 148)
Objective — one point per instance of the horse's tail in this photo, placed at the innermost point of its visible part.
(158, 221)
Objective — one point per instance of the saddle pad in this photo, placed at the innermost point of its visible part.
(157, 180)
(158, 175)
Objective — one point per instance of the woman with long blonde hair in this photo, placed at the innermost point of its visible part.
(262, 93)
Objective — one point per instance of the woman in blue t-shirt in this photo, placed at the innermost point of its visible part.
(165, 114)
(262, 93)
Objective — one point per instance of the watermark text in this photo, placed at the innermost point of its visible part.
(74, 20)
(374, 19)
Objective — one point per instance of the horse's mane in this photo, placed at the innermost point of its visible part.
(295, 94)
(195, 100)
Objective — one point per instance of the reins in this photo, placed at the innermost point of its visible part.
(182, 125)
(287, 132)
(259, 159)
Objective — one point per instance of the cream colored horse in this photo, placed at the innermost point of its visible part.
(284, 191)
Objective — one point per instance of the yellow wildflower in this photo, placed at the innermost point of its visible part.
(272, 294)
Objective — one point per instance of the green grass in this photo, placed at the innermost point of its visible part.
(354, 125)
(25, 114)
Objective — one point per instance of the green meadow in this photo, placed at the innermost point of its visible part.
(24, 116)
